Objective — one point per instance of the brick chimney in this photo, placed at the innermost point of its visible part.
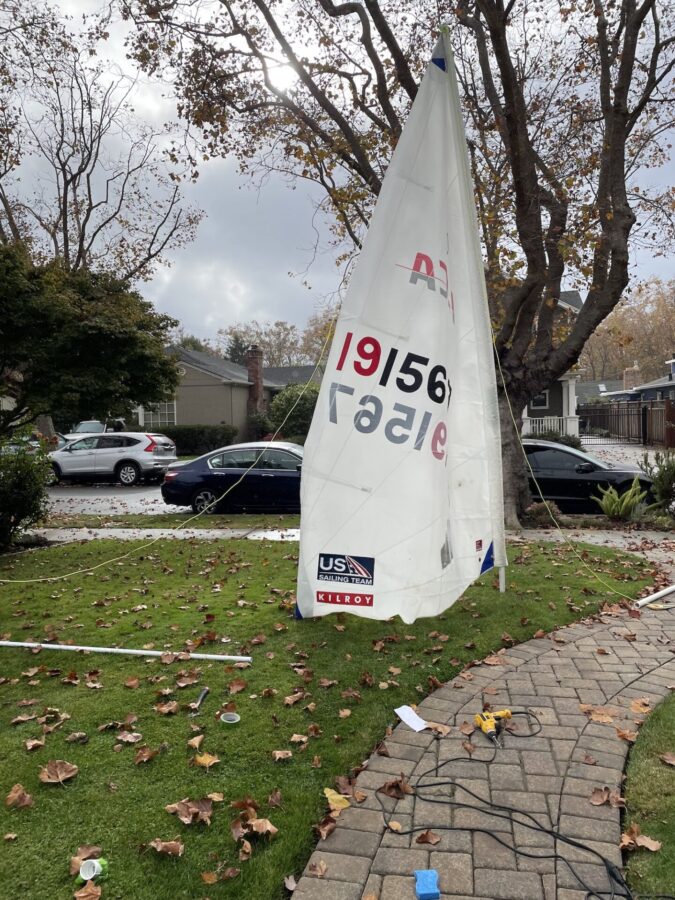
(631, 377)
(256, 395)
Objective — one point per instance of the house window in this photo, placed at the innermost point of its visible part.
(659, 395)
(160, 415)
(540, 401)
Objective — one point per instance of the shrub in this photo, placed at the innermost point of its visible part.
(292, 409)
(539, 514)
(623, 507)
(259, 426)
(24, 473)
(570, 440)
(662, 472)
(193, 440)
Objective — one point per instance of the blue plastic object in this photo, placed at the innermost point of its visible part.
(426, 884)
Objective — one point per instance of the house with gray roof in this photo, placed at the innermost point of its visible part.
(213, 391)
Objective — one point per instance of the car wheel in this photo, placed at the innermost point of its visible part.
(203, 499)
(128, 474)
(54, 476)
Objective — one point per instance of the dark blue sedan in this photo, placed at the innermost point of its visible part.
(260, 477)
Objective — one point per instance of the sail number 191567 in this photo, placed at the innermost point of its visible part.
(398, 429)
(411, 374)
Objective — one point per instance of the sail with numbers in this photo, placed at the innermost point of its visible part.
(401, 491)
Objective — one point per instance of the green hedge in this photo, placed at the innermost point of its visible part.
(193, 440)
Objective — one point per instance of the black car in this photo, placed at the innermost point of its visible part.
(570, 478)
(255, 477)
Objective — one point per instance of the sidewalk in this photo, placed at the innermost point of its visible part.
(611, 663)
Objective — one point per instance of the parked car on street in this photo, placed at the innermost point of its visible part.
(125, 456)
(570, 478)
(259, 476)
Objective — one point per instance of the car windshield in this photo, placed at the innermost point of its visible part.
(89, 427)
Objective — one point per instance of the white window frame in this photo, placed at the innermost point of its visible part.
(535, 405)
(158, 418)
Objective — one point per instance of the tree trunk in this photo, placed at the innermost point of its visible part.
(45, 426)
(516, 491)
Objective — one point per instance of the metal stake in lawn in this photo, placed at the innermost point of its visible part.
(213, 657)
(198, 702)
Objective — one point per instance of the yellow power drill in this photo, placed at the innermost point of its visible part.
(492, 723)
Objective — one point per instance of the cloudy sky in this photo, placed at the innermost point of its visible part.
(251, 255)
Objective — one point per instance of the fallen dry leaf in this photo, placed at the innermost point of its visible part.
(262, 826)
(90, 891)
(132, 683)
(206, 760)
(438, 728)
(190, 811)
(292, 699)
(57, 771)
(168, 848)
(274, 798)
(325, 827)
(33, 744)
(469, 747)
(318, 869)
(641, 705)
(634, 838)
(467, 728)
(77, 737)
(397, 789)
(428, 837)
(10, 836)
(86, 851)
(625, 735)
(668, 758)
(289, 881)
(238, 685)
(393, 825)
(345, 713)
(245, 850)
(209, 877)
(589, 760)
(144, 754)
(167, 709)
(278, 755)
(196, 742)
(18, 798)
(129, 737)
(336, 801)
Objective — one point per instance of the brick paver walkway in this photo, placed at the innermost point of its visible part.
(611, 663)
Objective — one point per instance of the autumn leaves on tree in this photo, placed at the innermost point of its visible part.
(565, 106)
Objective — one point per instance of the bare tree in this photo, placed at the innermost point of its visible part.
(565, 103)
(82, 178)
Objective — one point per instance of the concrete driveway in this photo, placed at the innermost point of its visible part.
(107, 499)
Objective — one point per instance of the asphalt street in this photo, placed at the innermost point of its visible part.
(108, 499)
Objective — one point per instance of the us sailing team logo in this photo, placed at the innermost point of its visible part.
(338, 568)
(346, 569)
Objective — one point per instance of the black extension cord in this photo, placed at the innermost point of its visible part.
(614, 874)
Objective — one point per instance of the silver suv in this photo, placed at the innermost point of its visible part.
(124, 456)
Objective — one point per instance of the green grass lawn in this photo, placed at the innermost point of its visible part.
(180, 591)
(650, 800)
(170, 520)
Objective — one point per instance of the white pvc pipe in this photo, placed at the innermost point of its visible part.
(122, 652)
(502, 579)
(652, 597)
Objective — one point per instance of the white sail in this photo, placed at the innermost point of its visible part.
(401, 481)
